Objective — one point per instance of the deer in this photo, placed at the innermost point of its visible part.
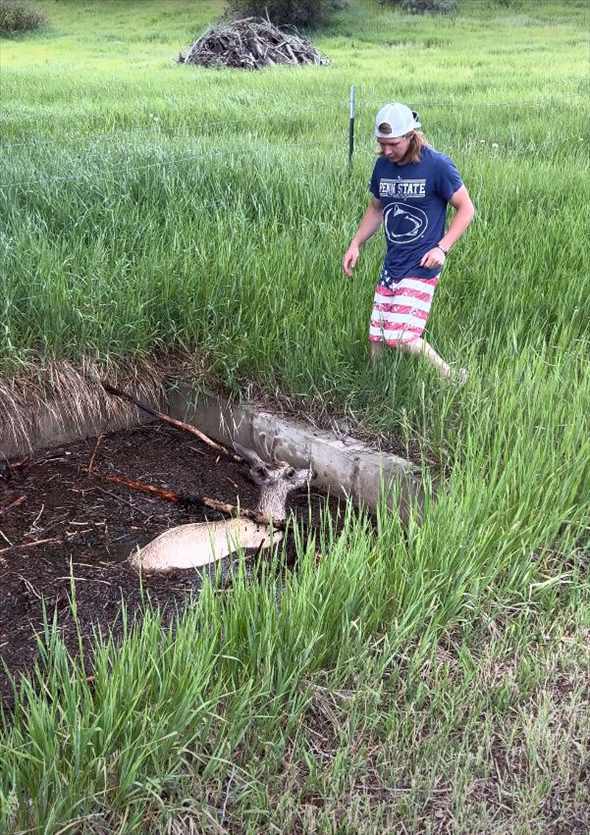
(201, 543)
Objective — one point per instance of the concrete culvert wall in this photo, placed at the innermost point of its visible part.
(68, 526)
(342, 465)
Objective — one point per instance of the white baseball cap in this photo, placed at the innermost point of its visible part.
(395, 120)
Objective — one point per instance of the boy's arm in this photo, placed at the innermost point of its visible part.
(372, 220)
(464, 212)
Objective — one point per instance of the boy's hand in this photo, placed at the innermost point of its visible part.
(433, 258)
(351, 256)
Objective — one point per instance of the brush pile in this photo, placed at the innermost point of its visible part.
(251, 44)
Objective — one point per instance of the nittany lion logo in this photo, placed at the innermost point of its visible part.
(404, 224)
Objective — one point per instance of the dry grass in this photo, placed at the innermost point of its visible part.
(69, 397)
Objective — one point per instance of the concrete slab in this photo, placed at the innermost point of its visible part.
(52, 425)
(342, 465)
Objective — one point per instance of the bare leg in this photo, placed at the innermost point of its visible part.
(421, 346)
(376, 350)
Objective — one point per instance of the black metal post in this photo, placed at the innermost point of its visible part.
(351, 128)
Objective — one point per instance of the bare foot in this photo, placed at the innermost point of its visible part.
(458, 376)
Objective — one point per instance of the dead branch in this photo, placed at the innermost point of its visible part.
(188, 501)
(31, 544)
(178, 424)
(250, 43)
(98, 440)
(15, 503)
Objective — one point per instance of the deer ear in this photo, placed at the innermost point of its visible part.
(248, 455)
(299, 478)
(260, 474)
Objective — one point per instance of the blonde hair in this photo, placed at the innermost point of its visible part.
(414, 153)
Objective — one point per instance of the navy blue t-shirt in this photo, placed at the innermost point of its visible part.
(414, 198)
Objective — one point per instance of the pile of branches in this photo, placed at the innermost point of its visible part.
(16, 16)
(423, 6)
(250, 43)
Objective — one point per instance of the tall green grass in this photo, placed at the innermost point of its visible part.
(159, 728)
(149, 207)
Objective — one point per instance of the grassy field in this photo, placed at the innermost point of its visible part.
(432, 679)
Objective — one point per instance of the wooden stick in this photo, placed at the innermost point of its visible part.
(192, 500)
(98, 440)
(15, 503)
(31, 544)
(186, 427)
(142, 487)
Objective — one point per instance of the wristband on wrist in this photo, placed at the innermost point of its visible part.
(444, 251)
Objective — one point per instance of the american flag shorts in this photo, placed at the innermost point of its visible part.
(400, 314)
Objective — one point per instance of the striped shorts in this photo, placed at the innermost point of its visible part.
(399, 315)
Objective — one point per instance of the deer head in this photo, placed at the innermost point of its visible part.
(276, 480)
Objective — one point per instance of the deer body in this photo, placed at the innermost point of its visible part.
(201, 543)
